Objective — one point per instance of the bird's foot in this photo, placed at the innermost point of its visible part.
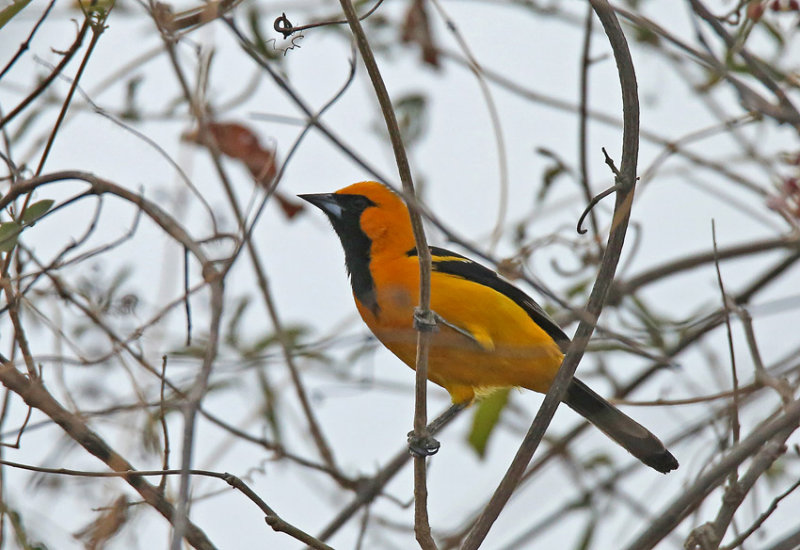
(422, 445)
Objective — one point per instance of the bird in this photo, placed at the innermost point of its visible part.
(490, 334)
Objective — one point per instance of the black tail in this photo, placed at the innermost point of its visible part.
(618, 426)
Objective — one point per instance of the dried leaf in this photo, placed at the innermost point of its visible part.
(100, 531)
(289, 207)
(240, 142)
(417, 29)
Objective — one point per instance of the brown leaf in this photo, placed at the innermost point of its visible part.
(417, 29)
(289, 207)
(100, 531)
(755, 9)
(239, 142)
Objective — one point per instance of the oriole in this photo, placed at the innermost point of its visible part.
(491, 334)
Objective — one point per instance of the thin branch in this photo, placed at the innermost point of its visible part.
(583, 122)
(734, 413)
(709, 535)
(373, 487)
(207, 137)
(273, 520)
(735, 543)
(20, 338)
(674, 267)
(97, 22)
(36, 395)
(44, 84)
(283, 26)
(25, 45)
(692, 496)
(424, 319)
(494, 116)
(757, 69)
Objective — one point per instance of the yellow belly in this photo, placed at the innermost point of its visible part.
(507, 347)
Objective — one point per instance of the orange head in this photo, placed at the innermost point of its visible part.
(370, 219)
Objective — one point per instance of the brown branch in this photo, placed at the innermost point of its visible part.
(21, 339)
(351, 153)
(283, 26)
(734, 412)
(25, 45)
(583, 123)
(192, 405)
(372, 487)
(709, 535)
(621, 288)
(735, 543)
(97, 21)
(424, 319)
(622, 210)
(762, 376)
(34, 393)
(100, 186)
(692, 496)
(207, 137)
(756, 66)
(277, 523)
(44, 84)
(494, 117)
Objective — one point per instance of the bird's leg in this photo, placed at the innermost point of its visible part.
(425, 444)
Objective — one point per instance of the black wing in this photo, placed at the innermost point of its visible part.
(446, 261)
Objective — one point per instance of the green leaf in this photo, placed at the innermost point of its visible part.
(552, 172)
(9, 233)
(36, 211)
(7, 13)
(412, 116)
(487, 414)
(585, 542)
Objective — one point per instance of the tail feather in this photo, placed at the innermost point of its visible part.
(618, 426)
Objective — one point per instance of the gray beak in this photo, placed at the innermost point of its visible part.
(327, 202)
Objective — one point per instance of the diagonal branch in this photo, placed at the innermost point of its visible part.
(691, 497)
(36, 395)
(622, 209)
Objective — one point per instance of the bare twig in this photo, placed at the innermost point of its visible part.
(23, 47)
(277, 523)
(44, 84)
(692, 496)
(373, 487)
(497, 128)
(36, 395)
(709, 535)
(283, 26)
(424, 320)
(737, 542)
(735, 425)
(583, 122)
(788, 110)
(97, 23)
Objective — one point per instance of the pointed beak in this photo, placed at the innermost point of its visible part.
(327, 202)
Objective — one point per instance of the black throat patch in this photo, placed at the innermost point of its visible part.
(357, 247)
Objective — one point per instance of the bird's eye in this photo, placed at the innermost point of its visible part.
(361, 203)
